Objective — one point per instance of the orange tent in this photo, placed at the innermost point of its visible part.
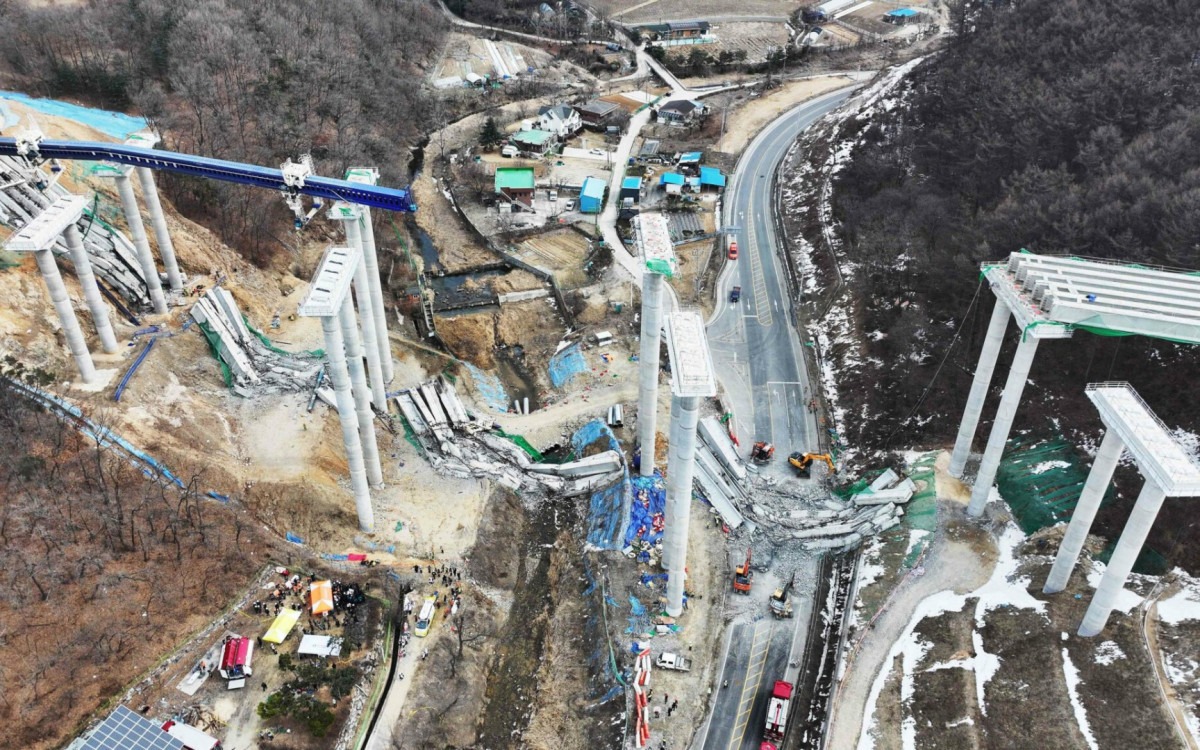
(320, 595)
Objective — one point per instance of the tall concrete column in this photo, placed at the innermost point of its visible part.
(376, 285)
(1145, 510)
(979, 387)
(158, 220)
(1000, 428)
(362, 395)
(91, 291)
(652, 312)
(1098, 481)
(685, 415)
(366, 314)
(137, 230)
(66, 315)
(337, 370)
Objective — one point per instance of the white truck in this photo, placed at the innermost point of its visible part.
(667, 660)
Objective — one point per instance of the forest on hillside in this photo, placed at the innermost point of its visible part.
(246, 80)
(102, 570)
(1060, 127)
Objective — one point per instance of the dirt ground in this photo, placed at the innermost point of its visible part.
(562, 252)
(651, 11)
(749, 117)
(756, 39)
(458, 248)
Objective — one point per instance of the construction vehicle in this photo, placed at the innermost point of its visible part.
(802, 462)
(762, 452)
(777, 711)
(781, 606)
(743, 577)
(667, 660)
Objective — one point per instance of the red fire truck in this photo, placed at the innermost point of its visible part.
(777, 711)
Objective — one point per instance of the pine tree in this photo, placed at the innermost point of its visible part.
(490, 135)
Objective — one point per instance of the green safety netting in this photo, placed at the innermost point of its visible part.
(1148, 561)
(410, 435)
(523, 444)
(214, 345)
(316, 353)
(921, 511)
(1041, 481)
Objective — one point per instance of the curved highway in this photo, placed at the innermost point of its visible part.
(757, 354)
(755, 346)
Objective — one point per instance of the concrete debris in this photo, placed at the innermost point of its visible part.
(722, 491)
(113, 257)
(888, 487)
(717, 439)
(255, 367)
(601, 463)
(461, 444)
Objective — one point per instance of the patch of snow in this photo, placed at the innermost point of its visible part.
(986, 667)
(1108, 652)
(914, 538)
(954, 664)
(877, 335)
(912, 656)
(964, 720)
(1072, 676)
(1126, 599)
(930, 606)
(1045, 466)
(999, 590)
(1189, 440)
(1181, 607)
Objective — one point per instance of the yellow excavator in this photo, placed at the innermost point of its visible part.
(802, 462)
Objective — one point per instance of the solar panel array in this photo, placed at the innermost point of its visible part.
(125, 730)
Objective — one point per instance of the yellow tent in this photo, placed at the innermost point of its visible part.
(283, 625)
(320, 596)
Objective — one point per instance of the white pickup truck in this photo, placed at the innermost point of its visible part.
(667, 660)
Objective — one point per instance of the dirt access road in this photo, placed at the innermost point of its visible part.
(952, 563)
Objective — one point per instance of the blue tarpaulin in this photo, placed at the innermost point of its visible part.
(489, 388)
(566, 364)
(293, 538)
(606, 508)
(646, 509)
(113, 124)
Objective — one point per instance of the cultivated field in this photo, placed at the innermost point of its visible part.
(630, 11)
(757, 40)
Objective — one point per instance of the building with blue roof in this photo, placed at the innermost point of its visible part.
(902, 16)
(672, 181)
(631, 187)
(711, 177)
(591, 195)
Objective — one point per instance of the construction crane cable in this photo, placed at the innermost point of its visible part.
(946, 356)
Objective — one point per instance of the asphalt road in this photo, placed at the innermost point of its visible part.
(757, 355)
(755, 347)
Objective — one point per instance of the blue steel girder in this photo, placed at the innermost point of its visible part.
(389, 199)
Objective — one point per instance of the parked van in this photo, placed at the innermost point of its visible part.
(616, 416)
(425, 616)
(510, 151)
(604, 338)
(553, 195)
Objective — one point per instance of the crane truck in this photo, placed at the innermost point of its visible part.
(777, 711)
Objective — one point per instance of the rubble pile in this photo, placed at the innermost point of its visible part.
(461, 444)
(828, 523)
(254, 366)
(113, 257)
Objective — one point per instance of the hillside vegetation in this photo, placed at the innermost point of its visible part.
(245, 80)
(104, 570)
(1060, 127)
